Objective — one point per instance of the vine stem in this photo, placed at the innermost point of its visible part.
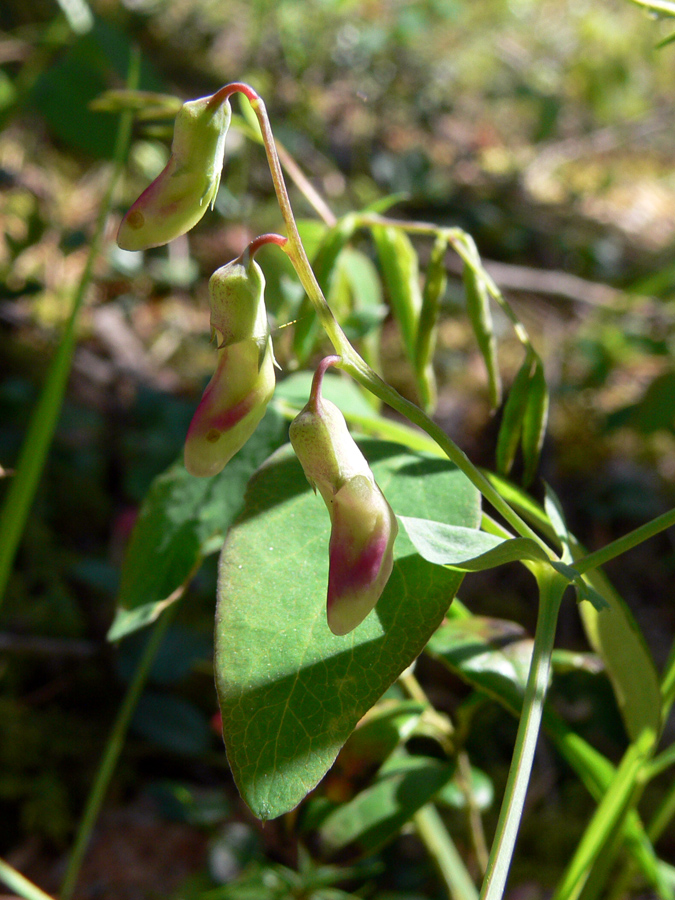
(112, 753)
(551, 589)
(627, 542)
(352, 362)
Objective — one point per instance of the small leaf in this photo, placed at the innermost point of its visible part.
(534, 421)
(467, 548)
(482, 792)
(290, 691)
(615, 636)
(377, 813)
(435, 284)
(400, 267)
(512, 418)
(556, 517)
(480, 316)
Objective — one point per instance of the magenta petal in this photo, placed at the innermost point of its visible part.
(231, 407)
(364, 529)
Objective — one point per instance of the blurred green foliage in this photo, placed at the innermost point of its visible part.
(544, 128)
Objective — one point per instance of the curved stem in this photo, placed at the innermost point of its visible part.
(351, 361)
(551, 588)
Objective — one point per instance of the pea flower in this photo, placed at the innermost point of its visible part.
(179, 196)
(235, 399)
(231, 407)
(363, 525)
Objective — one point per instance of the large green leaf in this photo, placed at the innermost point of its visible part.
(290, 691)
(184, 518)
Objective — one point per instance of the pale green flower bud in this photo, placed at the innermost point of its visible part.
(237, 300)
(231, 407)
(364, 526)
(180, 195)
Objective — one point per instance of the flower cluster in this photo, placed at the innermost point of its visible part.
(363, 525)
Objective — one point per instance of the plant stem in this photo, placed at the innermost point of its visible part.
(20, 884)
(440, 846)
(45, 416)
(551, 588)
(351, 361)
(112, 753)
(627, 542)
(621, 796)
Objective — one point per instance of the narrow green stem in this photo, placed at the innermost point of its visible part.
(621, 796)
(660, 763)
(21, 886)
(351, 361)
(112, 753)
(551, 588)
(440, 846)
(668, 683)
(627, 542)
(44, 419)
(663, 815)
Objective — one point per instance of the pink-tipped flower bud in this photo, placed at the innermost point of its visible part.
(180, 195)
(231, 407)
(237, 300)
(363, 525)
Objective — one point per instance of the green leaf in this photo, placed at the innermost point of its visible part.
(616, 637)
(534, 421)
(400, 267)
(183, 519)
(512, 419)
(376, 814)
(290, 691)
(480, 316)
(492, 654)
(467, 548)
(454, 795)
(435, 284)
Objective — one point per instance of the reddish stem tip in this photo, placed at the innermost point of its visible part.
(263, 239)
(317, 381)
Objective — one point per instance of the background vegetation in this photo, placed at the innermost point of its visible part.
(544, 129)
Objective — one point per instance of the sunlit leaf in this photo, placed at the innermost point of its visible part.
(291, 692)
(480, 316)
(400, 268)
(467, 548)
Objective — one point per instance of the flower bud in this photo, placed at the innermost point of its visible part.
(237, 299)
(231, 407)
(363, 525)
(179, 196)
